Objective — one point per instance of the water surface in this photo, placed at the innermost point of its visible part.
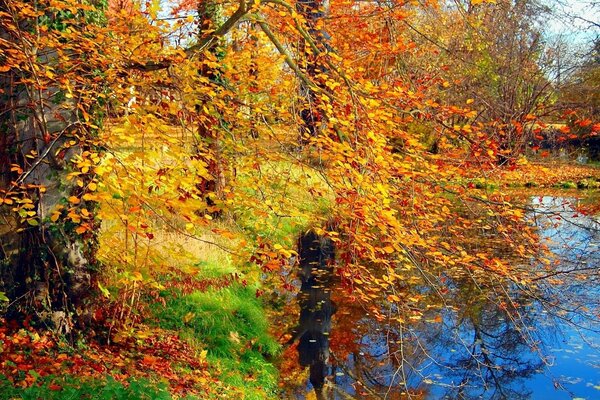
(546, 347)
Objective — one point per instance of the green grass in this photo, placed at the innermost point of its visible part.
(230, 323)
(214, 270)
(292, 207)
(217, 316)
(255, 377)
(75, 388)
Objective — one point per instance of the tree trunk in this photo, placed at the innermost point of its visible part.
(313, 12)
(208, 132)
(48, 259)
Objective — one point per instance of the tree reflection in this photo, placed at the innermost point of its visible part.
(316, 255)
(477, 351)
(496, 356)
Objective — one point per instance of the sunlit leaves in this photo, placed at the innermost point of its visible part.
(395, 166)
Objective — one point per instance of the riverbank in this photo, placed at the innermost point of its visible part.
(550, 174)
(197, 321)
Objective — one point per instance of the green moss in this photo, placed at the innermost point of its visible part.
(481, 183)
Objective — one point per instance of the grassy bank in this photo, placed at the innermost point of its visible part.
(201, 337)
(229, 326)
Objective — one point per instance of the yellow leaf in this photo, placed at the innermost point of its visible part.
(137, 277)
(104, 290)
(203, 355)
(154, 8)
(393, 297)
(234, 337)
(188, 317)
(33, 222)
(89, 197)
(74, 200)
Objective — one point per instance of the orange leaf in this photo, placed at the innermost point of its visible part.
(149, 360)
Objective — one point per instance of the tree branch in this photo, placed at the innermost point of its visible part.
(287, 57)
(205, 42)
(222, 30)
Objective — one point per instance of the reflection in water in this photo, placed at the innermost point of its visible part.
(573, 239)
(476, 351)
(471, 343)
(316, 308)
(485, 354)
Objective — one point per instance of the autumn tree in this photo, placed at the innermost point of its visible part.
(403, 214)
(312, 49)
(580, 90)
(63, 71)
(494, 56)
(209, 121)
(579, 98)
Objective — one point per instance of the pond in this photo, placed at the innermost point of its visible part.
(545, 348)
